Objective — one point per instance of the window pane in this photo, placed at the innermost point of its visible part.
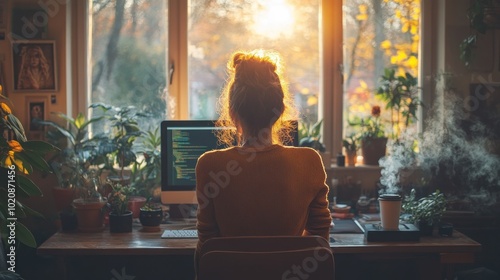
(129, 39)
(378, 34)
(216, 29)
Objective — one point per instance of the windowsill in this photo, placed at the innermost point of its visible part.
(360, 167)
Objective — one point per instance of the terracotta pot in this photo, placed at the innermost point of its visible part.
(63, 198)
(373, 149)
(120, 223)
(351, 157)
(134, 204)
(89, 215)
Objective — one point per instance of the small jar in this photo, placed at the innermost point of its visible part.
(340, 160)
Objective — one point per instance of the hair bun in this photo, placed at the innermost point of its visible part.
(237, 58)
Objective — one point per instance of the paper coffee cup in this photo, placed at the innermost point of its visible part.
(390, 209)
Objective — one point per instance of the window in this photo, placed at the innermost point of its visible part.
(218, 28)
(378, 35)
(129, 51)
(128, 54)
(168, 57)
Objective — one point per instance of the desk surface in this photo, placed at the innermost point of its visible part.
(149, 243)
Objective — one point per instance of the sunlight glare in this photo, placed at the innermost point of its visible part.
(274, 20)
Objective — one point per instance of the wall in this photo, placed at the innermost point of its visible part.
(55, 30)
(485, 67)
(55, 101)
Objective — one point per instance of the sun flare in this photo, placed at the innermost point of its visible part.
(275, 19)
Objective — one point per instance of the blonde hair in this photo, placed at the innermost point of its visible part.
(257, 96)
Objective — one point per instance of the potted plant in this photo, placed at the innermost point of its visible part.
(400, 94)
(120, 143)
(120, 217)
(351, 148)
(372, 137)
(146, 172)
(151, 215)
(79, 186)
(310, 136)
(19, 157)
(425, 212)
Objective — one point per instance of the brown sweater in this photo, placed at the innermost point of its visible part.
(277, 190)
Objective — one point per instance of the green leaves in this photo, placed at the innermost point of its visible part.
(310, 135)
(401, 96)
(427, 209)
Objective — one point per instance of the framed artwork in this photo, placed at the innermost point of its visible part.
(36, 110)
(34, 66)
(29, 24)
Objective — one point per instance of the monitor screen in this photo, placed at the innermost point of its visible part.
(182, 143)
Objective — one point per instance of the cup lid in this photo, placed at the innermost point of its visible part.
(390, 197)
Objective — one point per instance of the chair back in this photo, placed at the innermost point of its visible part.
(266, 257)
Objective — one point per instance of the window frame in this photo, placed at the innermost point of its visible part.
(330, 103)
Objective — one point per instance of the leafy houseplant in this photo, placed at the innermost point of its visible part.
(120, 217)
(79, 186)
(310, 136)
(351, 147)
(73, 167)
(401, 96)
(77, 151)
(425, 212)
(372, 136)
(119, 148)
(146, 173)
(150, 216)
(118, 199)
(19, 158)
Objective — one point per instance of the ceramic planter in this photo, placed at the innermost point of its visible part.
(120, 223)
(151, 219)
(373, 149)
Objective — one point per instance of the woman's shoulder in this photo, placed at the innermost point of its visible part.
(302, 151)
(212, 154)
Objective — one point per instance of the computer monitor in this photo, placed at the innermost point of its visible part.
(182, 143)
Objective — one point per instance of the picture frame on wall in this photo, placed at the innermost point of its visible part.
(34, 66)
(36, 110)
(29, 24)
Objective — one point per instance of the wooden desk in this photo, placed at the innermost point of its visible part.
(433, 253)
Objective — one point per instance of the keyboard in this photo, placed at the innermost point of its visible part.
(179, 233)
